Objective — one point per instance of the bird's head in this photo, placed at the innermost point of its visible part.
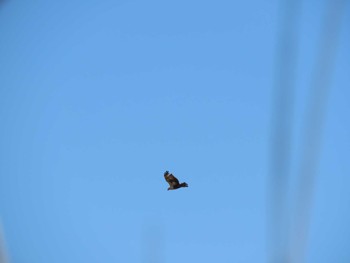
(166, 173)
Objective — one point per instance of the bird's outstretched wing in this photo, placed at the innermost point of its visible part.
(171, 179)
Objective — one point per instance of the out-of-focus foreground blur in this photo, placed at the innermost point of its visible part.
(246, 101)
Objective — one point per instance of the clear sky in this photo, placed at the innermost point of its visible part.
(99, 98)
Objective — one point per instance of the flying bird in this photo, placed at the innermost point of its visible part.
(173, 182)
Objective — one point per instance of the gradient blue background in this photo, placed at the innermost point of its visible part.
(99, 98)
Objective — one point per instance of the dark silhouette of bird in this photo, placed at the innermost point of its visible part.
(173, 182)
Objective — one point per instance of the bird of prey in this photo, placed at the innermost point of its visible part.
(173, 182)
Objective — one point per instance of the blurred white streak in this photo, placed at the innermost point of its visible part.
(282, 120)
(3, 251)
(313, 126)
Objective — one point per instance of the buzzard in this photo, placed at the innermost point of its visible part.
(172, 181)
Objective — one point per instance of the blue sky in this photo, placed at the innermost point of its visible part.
(99, 98)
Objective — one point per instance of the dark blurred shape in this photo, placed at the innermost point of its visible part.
(2, 2)
(312, 136)
(282, 120)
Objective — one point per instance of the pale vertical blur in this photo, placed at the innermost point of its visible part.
(3, 249)
(282, 124)
(153, 244)
(313, 125)
(283, 246)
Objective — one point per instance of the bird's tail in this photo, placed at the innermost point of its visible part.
(183, 185)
